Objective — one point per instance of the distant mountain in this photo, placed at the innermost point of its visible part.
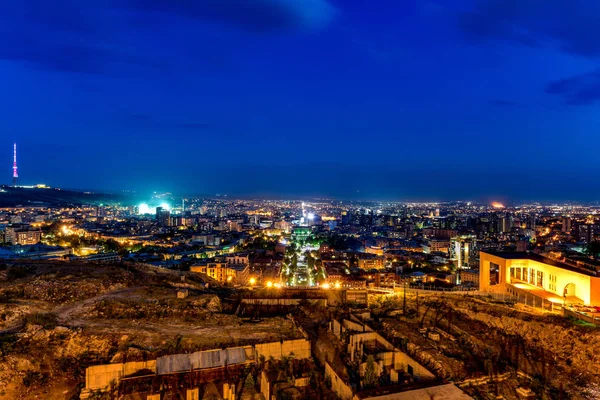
(50, 197)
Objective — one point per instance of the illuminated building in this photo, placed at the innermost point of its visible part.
(505, 223)
(463, 250)
(549, 279)
(368, 261)
(22, 235)
(436, 245)
(224, 272)
(469, 275)
(589, 233)
(566, 224)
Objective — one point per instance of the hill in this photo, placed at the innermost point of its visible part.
(49, 197)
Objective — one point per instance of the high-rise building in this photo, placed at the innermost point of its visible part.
(463, 250)
(566, 224)
(589, 233)
(505, 223)
(163, 217)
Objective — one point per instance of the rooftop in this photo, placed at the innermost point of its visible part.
(536, 257)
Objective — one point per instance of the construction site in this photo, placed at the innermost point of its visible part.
(81, 331)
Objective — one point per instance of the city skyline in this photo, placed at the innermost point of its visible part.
(299, 199)
(439, 100)
(148, 192)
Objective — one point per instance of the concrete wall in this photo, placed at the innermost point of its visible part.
(265, 387)
(354, 326)
(100, 376)
(193, 394)
(402, 361)
(299, 347)
(336, 328)
(338, 386)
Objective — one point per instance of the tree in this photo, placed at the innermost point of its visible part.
(370, 379)
(249, 384)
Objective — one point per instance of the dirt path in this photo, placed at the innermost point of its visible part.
(67, 314)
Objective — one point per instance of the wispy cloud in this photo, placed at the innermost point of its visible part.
(581, 89)
(93, 37)
(254, 15)
(569, 26)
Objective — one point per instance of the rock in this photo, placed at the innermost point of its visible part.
(214, 304)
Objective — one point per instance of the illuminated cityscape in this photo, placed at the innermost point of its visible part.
(299, 199)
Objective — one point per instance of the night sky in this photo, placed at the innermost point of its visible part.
(438, 99)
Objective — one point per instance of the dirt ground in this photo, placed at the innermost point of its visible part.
(479, 337)
(58, 318)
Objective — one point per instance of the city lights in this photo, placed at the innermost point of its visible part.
(144, 209)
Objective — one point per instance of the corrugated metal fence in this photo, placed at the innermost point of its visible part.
(201, 359)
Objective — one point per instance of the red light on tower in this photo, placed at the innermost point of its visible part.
(15, 173)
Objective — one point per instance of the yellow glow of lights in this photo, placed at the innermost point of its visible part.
(338, 285)
(278, 285)
(522, 286)
(325, 286)
(252, 281)
(269, 284)
(497, 205)
(229, 278)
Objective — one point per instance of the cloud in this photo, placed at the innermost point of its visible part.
(65, 36)
(249, 15)
(569, 26)
(99, 36)
(581, 89)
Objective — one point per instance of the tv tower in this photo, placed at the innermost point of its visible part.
(15, 173)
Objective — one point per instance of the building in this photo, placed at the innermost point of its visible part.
(463, 250)
(102, 258)
(238, 259)
(366, 261)
(436, 245)
(566, 224)
(163, 217)
(22, 235)
(223, 272)
(589, 233)
(552, 280)
(470, 276)
(505, 223)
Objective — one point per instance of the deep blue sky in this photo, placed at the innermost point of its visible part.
(438, 99)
